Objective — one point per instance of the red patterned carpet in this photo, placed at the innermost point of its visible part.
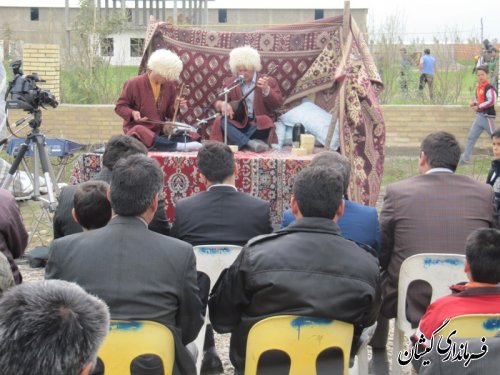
(268, 176)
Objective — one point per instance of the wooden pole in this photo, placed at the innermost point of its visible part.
(346, 20)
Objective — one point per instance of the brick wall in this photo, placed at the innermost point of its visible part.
(406, 125)
(44, 59)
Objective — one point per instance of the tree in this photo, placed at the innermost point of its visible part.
(88, 69)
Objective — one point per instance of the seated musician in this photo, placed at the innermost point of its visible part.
(252, 125)
(149, 99)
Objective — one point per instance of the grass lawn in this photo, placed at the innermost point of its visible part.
(104, 88)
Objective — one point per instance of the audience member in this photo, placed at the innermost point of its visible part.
(484, 107)
(118, 147)
(13, 235)
(262, 97)
(6, 278)
(92, 208)
(140, 274)
(432, 213)
(305, 269)
(359, 222)
(50, 328)
(494, 172)
(481, 295)
(223, 215)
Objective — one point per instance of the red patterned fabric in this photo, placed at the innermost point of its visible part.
(313, 60)
(268, 176)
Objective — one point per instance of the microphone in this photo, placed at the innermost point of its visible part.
(238, 80)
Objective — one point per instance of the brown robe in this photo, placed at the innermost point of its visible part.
(264, 108)
(137, 95)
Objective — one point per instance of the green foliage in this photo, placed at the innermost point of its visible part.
(87, 78)
(106, 85)
(453, 82)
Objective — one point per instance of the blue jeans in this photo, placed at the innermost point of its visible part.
(236, 136)
(481, 123)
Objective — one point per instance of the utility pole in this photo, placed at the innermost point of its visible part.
(482, 30)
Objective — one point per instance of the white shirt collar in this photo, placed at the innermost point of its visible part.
(211, 186)
(435, 170)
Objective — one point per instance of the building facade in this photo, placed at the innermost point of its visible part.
(25, 22)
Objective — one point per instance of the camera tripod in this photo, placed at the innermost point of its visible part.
(40, 156)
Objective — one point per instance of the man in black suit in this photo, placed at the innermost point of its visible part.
(140, 274)
(119, 146)
(219, 215)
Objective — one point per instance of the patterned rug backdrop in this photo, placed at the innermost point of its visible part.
(312, 60)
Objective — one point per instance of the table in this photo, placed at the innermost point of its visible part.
(268, 176)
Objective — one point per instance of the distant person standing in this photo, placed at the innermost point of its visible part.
(484, 106)
(427, 68)
(493, 68)
(404, 71)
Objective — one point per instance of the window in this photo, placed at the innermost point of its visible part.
(129, 14)
(222, 15)
(34, 14)
(136, 47)
(319, 13)
(107, 47)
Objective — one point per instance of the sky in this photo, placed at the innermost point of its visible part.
(416, 18)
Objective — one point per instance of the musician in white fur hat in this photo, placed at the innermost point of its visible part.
(252, 129)
(151, 97)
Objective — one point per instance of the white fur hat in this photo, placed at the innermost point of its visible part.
(165, 63)
(244, 56)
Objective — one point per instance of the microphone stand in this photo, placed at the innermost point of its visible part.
(226, 91)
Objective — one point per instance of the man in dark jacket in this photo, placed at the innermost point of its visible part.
(118, 147)
(306, 269)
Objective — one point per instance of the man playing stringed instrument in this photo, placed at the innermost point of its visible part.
(252, 104)
(148, 100)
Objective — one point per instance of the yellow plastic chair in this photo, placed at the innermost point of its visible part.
(473, 325)
(302, 338)
(128, 339)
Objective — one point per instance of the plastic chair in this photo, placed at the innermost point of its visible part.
(440, 271)
(472, 325)
(302, 338)
(127, 340)
(212, 260)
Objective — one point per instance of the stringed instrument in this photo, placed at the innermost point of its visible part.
(240, 110)
(168, 127)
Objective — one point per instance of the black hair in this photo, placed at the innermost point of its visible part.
(92, 207)
(215, 161)
(442, 150)
(482, 250)
(318, 191)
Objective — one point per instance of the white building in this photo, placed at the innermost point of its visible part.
(50, 21)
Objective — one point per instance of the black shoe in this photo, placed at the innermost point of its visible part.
(211, 363)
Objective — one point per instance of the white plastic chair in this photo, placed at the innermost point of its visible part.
(440, 271)
(360, 366)
(212, 260)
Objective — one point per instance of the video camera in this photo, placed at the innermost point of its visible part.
(24, 92)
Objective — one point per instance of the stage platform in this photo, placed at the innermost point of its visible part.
(268, 176)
